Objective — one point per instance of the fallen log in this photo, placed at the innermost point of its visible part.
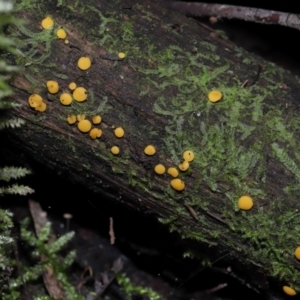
(245, 144)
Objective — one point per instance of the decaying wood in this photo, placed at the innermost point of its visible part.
(251, 14)
(245, 144)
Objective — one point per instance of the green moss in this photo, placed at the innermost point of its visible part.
(233, 140)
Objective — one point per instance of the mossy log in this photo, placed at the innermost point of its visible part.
(245, 144)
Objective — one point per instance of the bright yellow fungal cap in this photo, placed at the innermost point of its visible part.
(215, 96)
(35, 100)
(80, 94)
(121, 55)
(80, 117)
(245, 202)
(173, 172)
(42, 107)
(119, 132)
(71, 119)
(61, 33)
(115, 150)
(96, 119)
(184, 166)
(52, 86)
(84, 125)
(72, 86)
(47, 23)
(297, 253)
(160, 169)
(150, 150)
(177, 184)
(84, 63)
(95, 133)
(65, 99)
(289, 291)
(188, 155)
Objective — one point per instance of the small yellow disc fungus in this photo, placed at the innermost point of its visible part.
(188, 155)
(289, 291)
(61, 33)
(245, 202)
(121, 55)
(66, 42)
(214, 96)
(119, 132)
(80, 117)
(96, 119)
(177, 184)
(35, 100)
(150, 150)
(184, 166)
(84, 63)
(71, 119)
(47, 23)
(52, 86)
(173, 172)
(95, 133)
(115, 150)
(42, 107)
(84, 125)
(160, 169)
(297, 253)
(72, 86)
(80, 94)
(65, 99)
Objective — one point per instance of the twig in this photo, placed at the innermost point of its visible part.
(256, 15)
(111, 231)
(216, 288)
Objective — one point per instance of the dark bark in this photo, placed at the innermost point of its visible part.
(245, 144)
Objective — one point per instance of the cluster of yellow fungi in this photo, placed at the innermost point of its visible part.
(176, 183)
(36, 102)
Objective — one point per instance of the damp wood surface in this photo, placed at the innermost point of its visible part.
(245, 144)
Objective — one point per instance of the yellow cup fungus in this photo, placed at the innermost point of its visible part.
(61, 33)
(96, 119)
(184, 166)
(121, 55)
(289, 291)
(65, 99)
(119, 132)
(71, 119)
(35, 100)
(84, 125)
(188, 155)
(115, 150)
(47, 23)
(80, 94)
(95, 133)
(42, 107)
(297, 253)
(215, 96)
(178, 184)
(84, 63)
(52, 86)
(80, 117)
(173, 172)
(72, 86)
(150, 150)
(160, 169)
(66, 42)
(245, 202)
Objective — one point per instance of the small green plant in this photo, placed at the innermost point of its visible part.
(46, 253)
(132, 290)
(7, 47)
